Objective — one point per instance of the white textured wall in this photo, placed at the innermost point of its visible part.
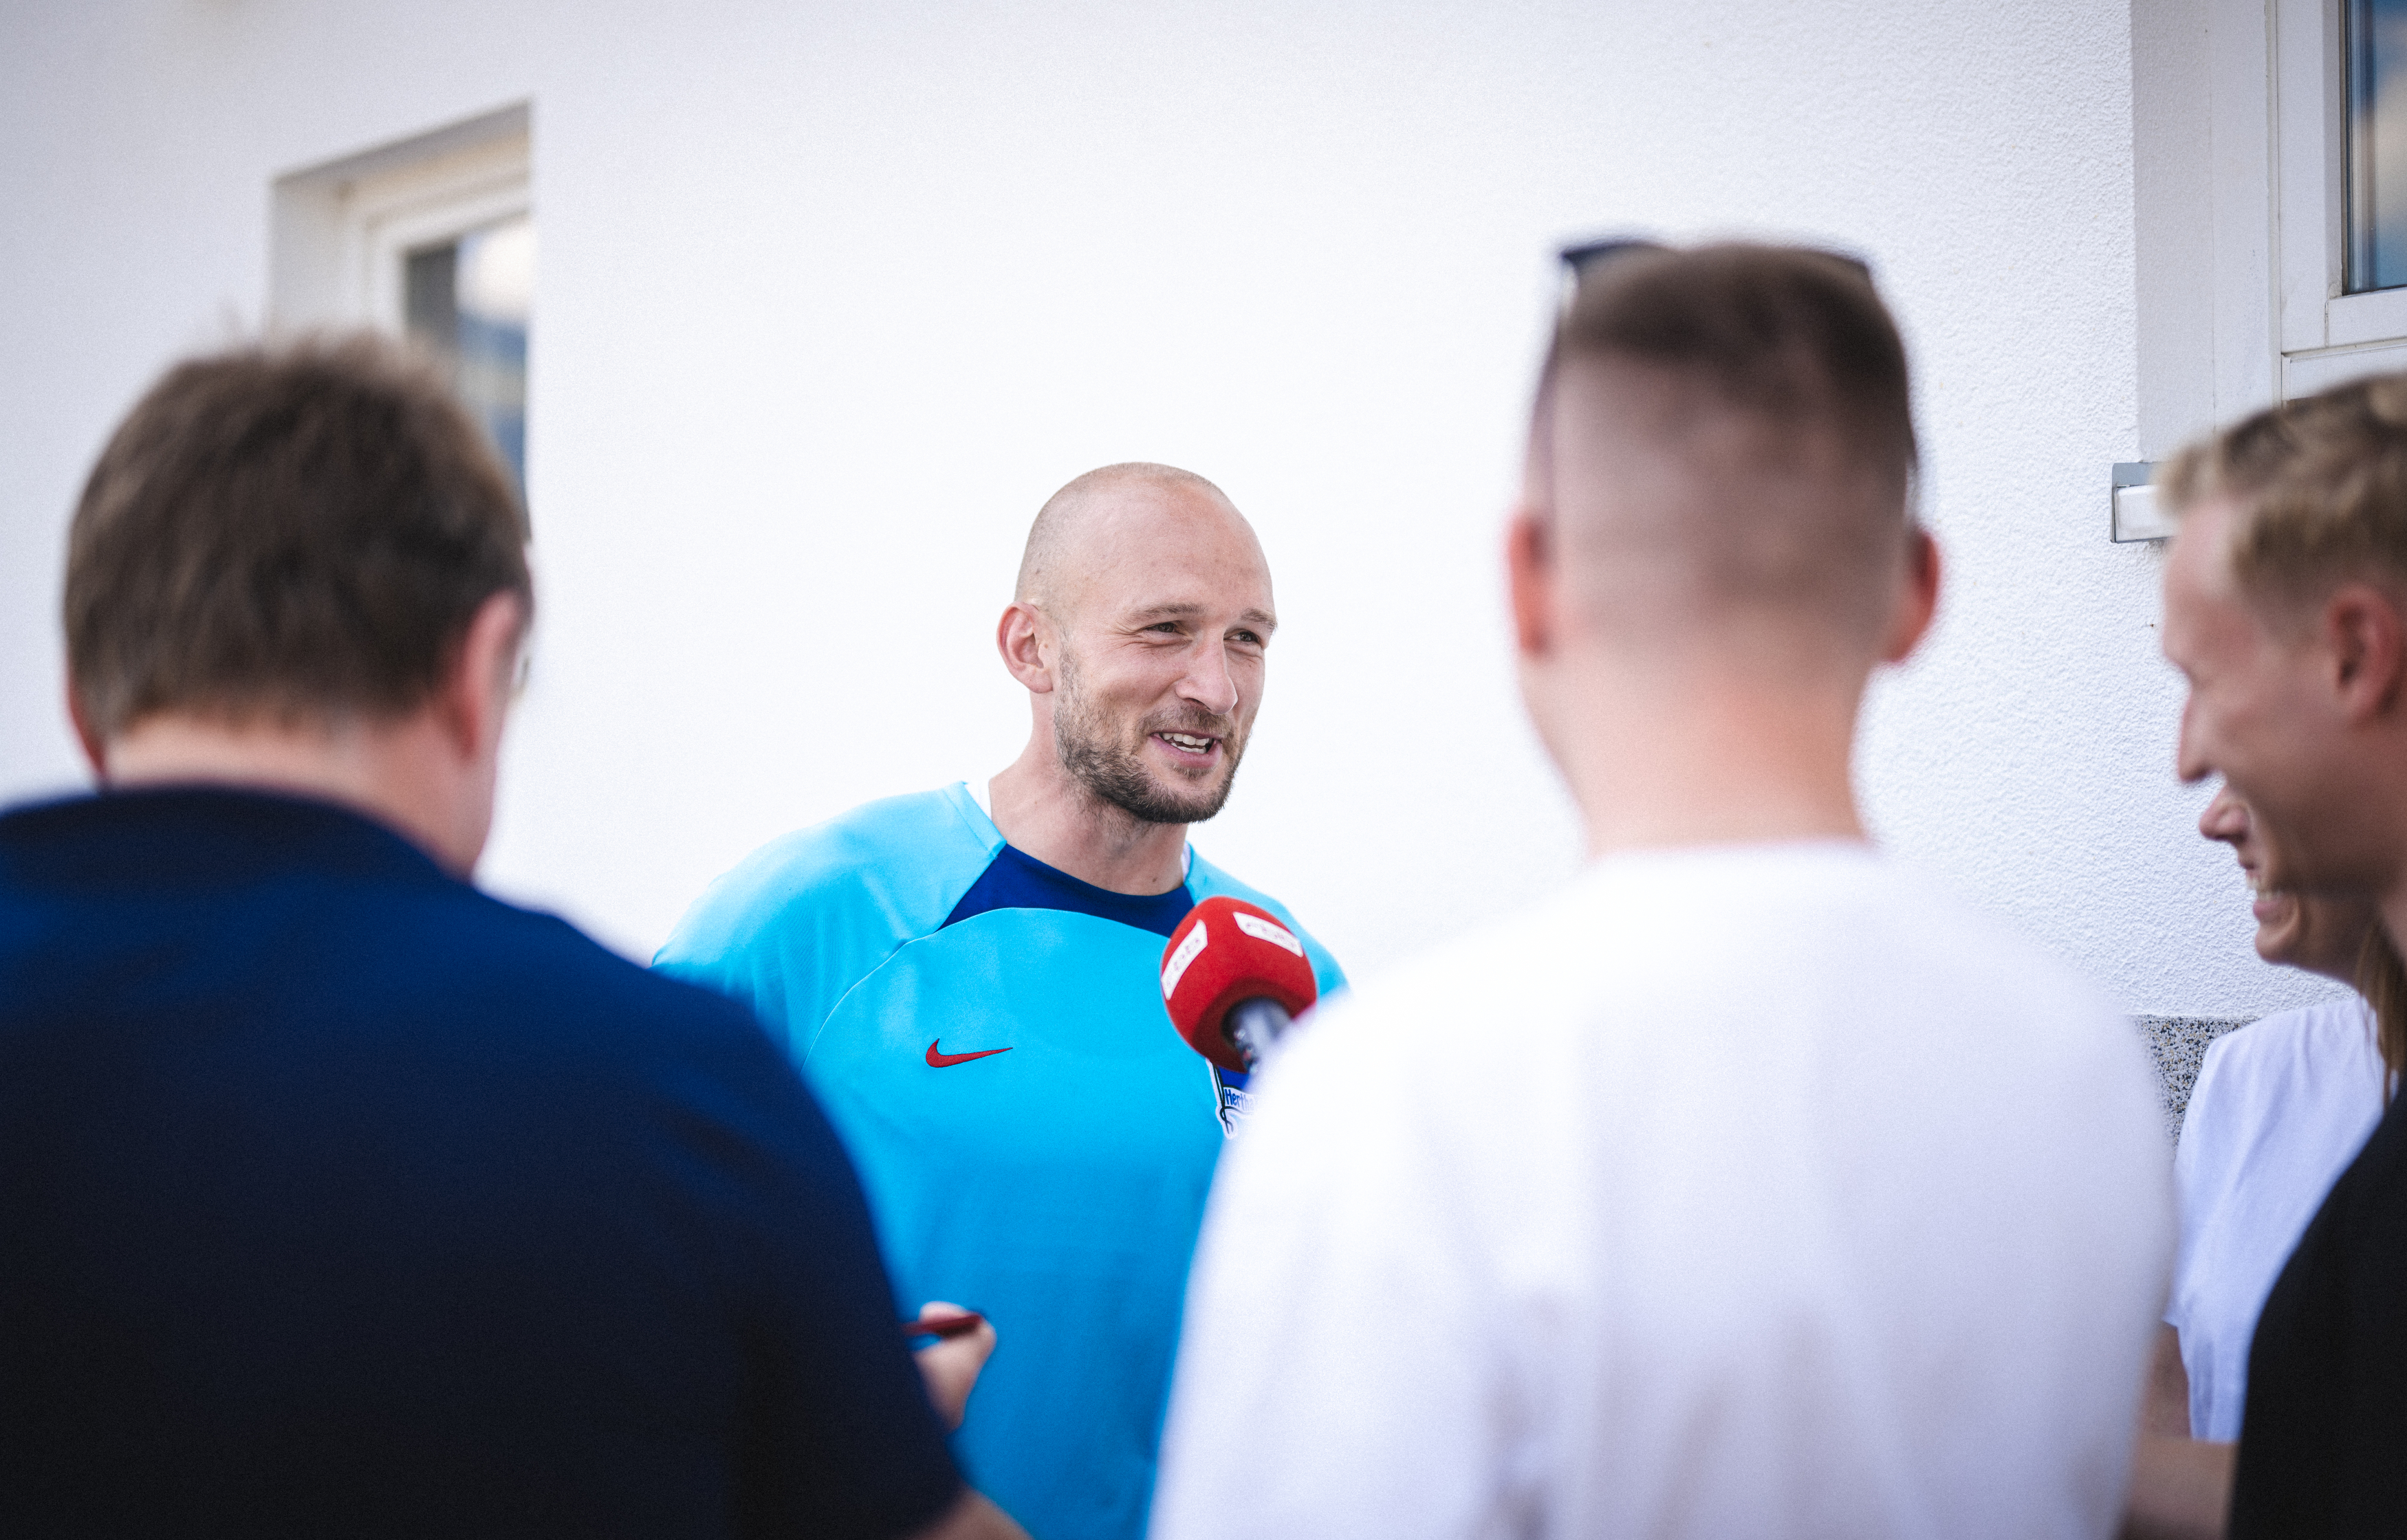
(833, 295)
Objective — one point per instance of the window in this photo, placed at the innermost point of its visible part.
(431, 238)
(2374, 44)
(467, 300)
(2339, 85)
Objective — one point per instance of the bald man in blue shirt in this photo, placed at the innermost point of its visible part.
(972, 985)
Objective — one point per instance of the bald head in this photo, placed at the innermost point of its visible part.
(1724, 434)
(1139, 627)
(1097, 517)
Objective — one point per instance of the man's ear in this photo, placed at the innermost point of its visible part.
(1918, 598)
(475, 695)
(2361, 626)
(1019, 638)
(95, 751)
(1529, 570)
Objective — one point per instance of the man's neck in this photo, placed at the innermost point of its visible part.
(1044, 814)
(379, 769)
(1660, 761)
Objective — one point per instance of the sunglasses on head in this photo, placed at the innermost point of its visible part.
(1587, 256)
(1584, 258)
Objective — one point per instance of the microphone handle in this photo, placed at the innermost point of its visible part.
(1252, 1026)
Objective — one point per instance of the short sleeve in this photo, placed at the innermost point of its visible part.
(808, 916)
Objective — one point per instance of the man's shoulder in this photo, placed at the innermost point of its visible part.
(1993, 962)
(534, 971)
(2358, 1240)
(1206, 880)
(2338, 1029)
(905, 860)
(1858, 913)
(1628, 947)
(867, 845)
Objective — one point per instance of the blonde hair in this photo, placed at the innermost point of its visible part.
(2382, 979)
(2318, 488)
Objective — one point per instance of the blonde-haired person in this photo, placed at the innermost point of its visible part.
(2280, 1108)
(2286, 609)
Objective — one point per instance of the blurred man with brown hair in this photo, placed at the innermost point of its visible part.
(1750, 1186)
(2286, 607)
(339, 1197)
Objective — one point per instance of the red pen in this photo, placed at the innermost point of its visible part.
(952, 1325)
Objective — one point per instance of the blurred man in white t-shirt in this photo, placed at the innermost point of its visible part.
(1750, 1186)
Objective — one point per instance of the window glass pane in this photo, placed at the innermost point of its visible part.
(470, 300)
(2376, 49)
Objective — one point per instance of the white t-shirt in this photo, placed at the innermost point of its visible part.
(1735, 1191)
(2280, 1108)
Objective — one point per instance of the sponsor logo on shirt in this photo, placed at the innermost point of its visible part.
(1234, 1103)
(942, 1061)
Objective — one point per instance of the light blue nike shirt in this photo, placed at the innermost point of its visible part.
(986, 1033)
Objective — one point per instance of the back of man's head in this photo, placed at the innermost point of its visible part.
(291, 533)
(2319, 493)
(1724, 449)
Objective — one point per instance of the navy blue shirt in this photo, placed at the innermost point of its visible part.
(2323, 1437)
(337, 1197)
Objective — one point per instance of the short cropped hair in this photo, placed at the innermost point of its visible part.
(2318, 486)
(1794, 348)
(297, 531)
(1797, 337)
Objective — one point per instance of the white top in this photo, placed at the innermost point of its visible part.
(1737, 1192)
(2280, 1108)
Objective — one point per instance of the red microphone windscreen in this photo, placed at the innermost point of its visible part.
(1225, 951)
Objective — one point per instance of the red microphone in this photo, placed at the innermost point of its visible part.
(1234, 976)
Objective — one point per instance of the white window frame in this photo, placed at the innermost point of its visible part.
(2324, 336)
(392, 216)
(342, 229)
(2204, 227)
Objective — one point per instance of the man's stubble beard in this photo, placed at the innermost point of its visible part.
(1114, 772)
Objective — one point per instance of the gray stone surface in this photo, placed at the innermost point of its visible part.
(2177, 1043)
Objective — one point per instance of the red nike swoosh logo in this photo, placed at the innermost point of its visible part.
(938, 1061)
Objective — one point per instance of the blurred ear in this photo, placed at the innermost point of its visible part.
(2362, 629)
(1531, 571)
(1020, 638)
(474, 697)
(96, 753)
(1918, 598)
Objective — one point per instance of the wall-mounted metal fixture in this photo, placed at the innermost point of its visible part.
(2137, 514)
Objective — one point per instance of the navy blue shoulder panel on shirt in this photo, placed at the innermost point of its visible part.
(1017, 880)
